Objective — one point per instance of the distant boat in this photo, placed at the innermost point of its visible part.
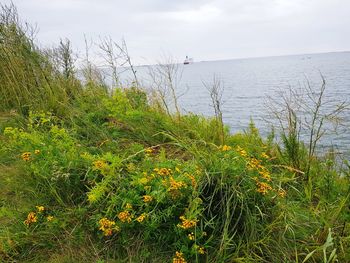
(188, 60)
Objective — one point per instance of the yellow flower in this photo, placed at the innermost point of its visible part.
(141, 218)
(40, 208)
(125, 216)
(254, 164)
(187, 223)
(179, 258)
(149, 150)
(26, 156)
(191, 236)
(147, 198)
(31, 218)
(201, 250)
(176, 185)
(49, 218)
(225, 148)
(241, 151)
(265, 174)
(263, 188)
(163, 171)
(265, 156)
(99, 165)
(107, 226)
(128, 206)
(282, 193)
(193, 180)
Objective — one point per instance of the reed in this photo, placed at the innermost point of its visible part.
(28, 78)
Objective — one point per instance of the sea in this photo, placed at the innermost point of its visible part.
(250, 87)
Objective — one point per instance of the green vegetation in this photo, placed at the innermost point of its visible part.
(89, 176)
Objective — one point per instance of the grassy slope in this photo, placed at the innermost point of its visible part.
(292, 227)
(239, 218)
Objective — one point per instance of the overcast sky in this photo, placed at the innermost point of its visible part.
(202, 29)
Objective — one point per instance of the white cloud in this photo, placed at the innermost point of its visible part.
(205, 13)
(205, 29)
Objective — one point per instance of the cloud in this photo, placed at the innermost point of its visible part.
(204, 29)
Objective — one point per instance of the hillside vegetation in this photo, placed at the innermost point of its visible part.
(90, 175)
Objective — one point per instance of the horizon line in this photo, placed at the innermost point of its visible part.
(257, 57)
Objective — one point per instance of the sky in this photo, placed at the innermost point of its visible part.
(202, 29)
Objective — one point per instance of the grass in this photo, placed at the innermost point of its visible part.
(88, 176)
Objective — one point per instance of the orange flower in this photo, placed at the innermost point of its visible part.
(125, 216)
(263, 188)
(31, 218)
(107, 226)
(187, 223)
(163, 171)
(265, 174)
(147, 198)
(254, 163)
(141, 218)
(26, 156)
(179, 258)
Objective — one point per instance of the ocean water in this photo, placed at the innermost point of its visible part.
(248, 82)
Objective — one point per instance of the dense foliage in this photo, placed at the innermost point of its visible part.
(89, 176)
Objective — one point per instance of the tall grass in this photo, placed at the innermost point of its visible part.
(28, 78)
(122, 180)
